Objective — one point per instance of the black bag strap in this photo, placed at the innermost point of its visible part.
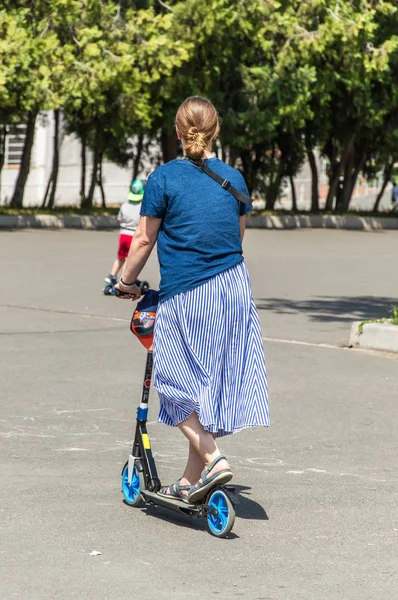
(226, 184)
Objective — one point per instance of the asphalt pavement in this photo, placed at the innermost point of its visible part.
(317, 517)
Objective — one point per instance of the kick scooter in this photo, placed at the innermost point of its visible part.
(140, 481)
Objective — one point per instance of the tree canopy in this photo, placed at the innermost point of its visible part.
(288, 77)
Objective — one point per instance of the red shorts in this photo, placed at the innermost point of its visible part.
(124, 246)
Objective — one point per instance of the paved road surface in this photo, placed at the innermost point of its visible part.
(318, 512)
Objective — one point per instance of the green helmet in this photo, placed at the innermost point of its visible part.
(137, 188)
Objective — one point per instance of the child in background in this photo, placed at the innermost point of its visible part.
(128, 217)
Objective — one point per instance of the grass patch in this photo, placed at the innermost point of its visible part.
(393, 320)
(394, 315)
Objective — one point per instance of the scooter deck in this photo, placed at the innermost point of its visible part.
(173, 503)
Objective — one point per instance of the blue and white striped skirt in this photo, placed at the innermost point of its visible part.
(209, 357)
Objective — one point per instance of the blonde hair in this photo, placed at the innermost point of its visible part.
(198, 125)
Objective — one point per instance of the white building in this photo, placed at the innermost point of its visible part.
(116, 179)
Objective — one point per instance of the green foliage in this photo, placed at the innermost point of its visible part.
(117, 64)
(394, 315)
(288, 76)
(393, 320)
(30, 64)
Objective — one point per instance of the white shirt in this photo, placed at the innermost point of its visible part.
(129, 215)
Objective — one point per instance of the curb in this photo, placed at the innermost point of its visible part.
(375, 336)
(253, 222)
(58, 222)
(321, 222)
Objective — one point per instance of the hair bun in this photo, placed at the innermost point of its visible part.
(192, 133)
(195, 136)
(198, 125)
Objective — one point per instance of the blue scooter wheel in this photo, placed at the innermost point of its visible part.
(132, 491)
(221, 523)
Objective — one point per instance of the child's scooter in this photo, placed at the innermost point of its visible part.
(140, 481)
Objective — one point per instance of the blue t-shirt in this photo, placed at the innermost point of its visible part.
(199, 236)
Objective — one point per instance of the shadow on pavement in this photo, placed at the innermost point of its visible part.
(246, 508)
(179, 519)
(331, 308)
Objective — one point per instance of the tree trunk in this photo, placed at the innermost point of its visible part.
(233, 156)
(100, 182)
(294, 195)
(358, 169)
(168, 143)
(337, 170)
(345, 197)
(94, 173)
(52, 181)
(247, 167)
(353, 180)
(387, 176)
(333, 183)
(331, 152)
(49, 182)
(19, 189)
(274, 187)
(88, 202)
(3, 136)
(55, 169)
(137, 158)
(314, 177)
(83, 160)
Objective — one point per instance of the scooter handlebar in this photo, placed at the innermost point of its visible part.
(119, 293)
(143, 285)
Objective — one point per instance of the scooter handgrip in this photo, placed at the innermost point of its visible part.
(119, 293)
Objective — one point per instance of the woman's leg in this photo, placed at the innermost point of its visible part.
(194, 467)
(202, 450)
